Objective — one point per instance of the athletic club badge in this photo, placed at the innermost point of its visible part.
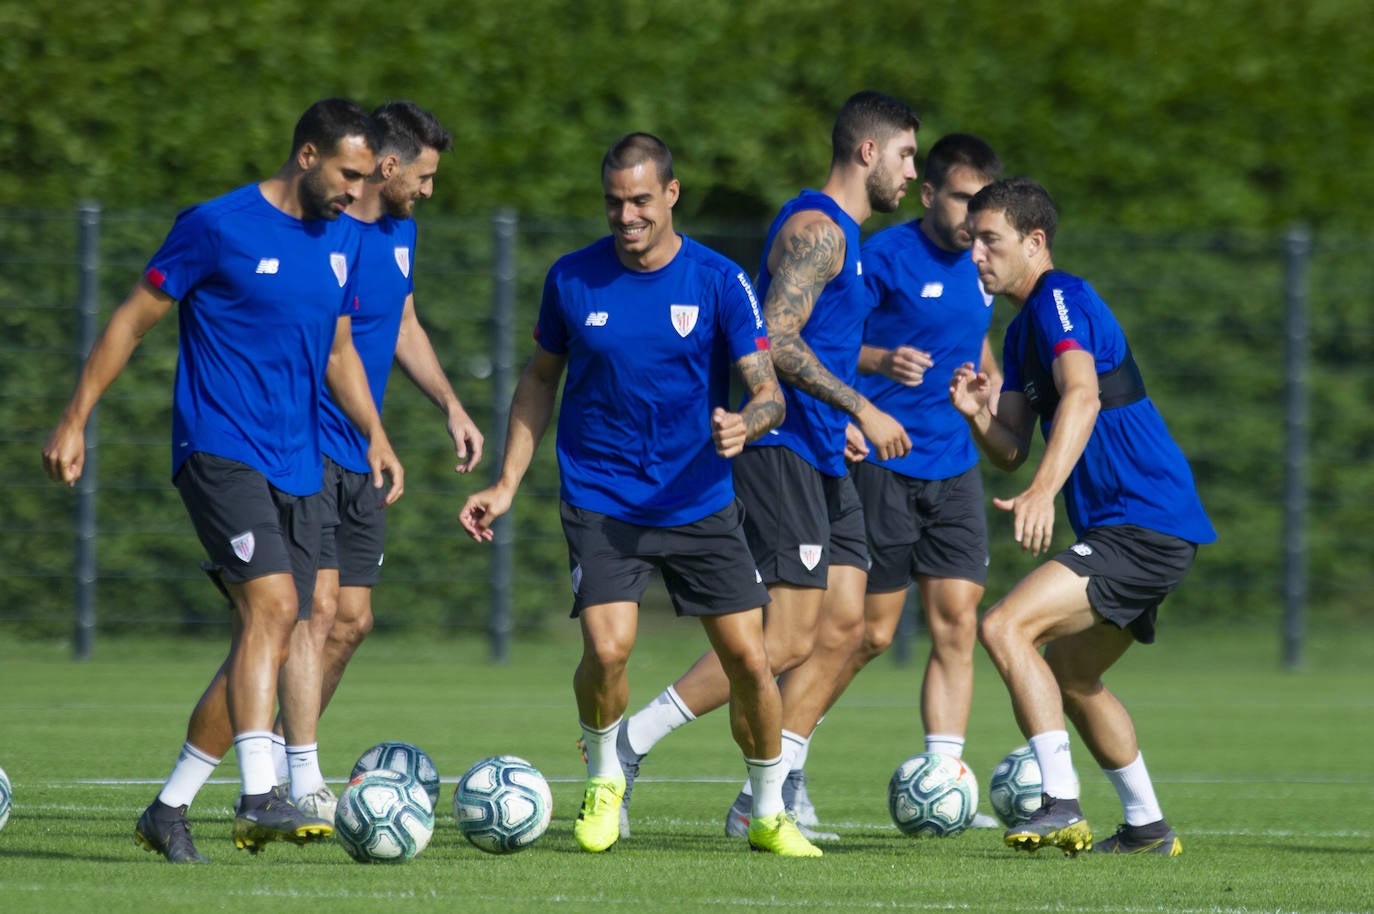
(810, 554)
(403, 261)
(340, 264)
(243, 545)
(684, 318)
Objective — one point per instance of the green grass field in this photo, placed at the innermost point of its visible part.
(1267, 776)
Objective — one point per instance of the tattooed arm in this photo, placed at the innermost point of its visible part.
(806, 254)
(763, 411)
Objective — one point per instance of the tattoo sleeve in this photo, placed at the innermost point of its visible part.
(764, 409)
(812, 256)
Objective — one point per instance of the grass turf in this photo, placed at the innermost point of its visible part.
(1265, 774)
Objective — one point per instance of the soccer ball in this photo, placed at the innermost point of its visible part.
(405, 758)
(502, 804)
(384, 817)
(6, 798)
(932, 795)
(1014, 788)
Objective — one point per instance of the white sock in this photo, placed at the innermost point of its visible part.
(794, 746)
(656, 720)
(765, 784)
(1057, 776)
(1137, 792)
(945, 744)
(304, 762)
(279, 764)
(602, 761)
(799, 760)
(254, 751)
(189, 774)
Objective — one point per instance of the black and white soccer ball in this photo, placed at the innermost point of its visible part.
(502, 804)
(384, 816)
(406, 758)
(932, 795)
(1014, 788)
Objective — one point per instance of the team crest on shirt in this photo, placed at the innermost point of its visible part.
(243, 545)
(340, 265)
(403, 260)
(810, 554)
(684, 318)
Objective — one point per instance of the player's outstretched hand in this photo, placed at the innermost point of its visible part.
(907, 365)
(969, 390)
(467, 442)
(855, 447)
(385, 463)
(1033, 519)
(728, 432)
(64, 456)
(883, 432)
(481, 510)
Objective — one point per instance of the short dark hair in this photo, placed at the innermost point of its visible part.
(961, 149)
(329, 121)
(408, 130)
(1025, 204)
(634, 149)
(865, 115)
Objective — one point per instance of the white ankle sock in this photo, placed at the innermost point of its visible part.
(304, 764)
(945, 744)
(602, 761)
(1057, 776)
(656, 720)
(192, 769)
(765, 784)
(254, 751)
(1137, 792)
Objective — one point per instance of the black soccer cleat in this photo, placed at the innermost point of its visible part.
(266, 817)
(1057, 823)
(165, 830)
(1156, 838)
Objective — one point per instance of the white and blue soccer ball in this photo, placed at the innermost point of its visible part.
(6, 797)
(1014, 788)
(502, 804)
(384, 816)
(405, 758)
(932, 796)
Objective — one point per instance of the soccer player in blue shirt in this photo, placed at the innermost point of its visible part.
(385, 329)
(1130, 499)
(647, 323)
(264, 278)
(924, 512)
(803, 518)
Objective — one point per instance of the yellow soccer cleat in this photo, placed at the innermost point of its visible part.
(598, 823)
(1057, 823)
(778, 834)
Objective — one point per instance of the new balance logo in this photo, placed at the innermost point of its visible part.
(597, 319)
(268, 265)
(933, 290)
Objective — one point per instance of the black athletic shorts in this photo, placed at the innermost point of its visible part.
(250, 528)
(705, 565)
(354, 535)
(932, 527)
(1130, 570)
(798, 520)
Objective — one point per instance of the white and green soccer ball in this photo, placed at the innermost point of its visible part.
(502, 804)
(384, 816)
(1014, 788)
(6, 797)
(406, 758)
(932, 796)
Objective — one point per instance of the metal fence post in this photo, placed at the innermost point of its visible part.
(1297, 258)
(505, 226)
(88, 310)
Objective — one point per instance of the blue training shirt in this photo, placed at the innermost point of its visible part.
(1131, 471)
(648, 358)
(384, 283)
(814, 429)
(260, 296)
(930, 299)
